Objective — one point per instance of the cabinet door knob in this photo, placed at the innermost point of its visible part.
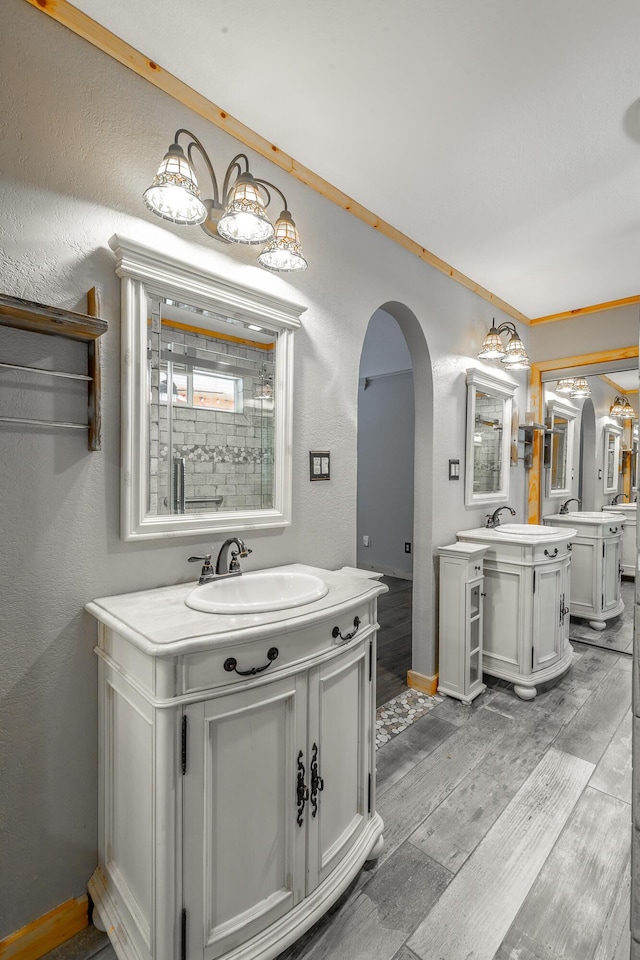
(483, 594)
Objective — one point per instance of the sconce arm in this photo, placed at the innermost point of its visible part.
(203, 153)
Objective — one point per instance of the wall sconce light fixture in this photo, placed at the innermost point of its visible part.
(235, 214)
(622, 409)
(514, 356)
(580, 389)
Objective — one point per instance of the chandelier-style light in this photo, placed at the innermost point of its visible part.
(622, 408)
(565, 386)
(237, 214)
(514, 356)
(580, 388)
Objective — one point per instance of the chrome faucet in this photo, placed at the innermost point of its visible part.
(224, 568)
(493, 519)
(617, 497)
(207, 572)
(565, 506)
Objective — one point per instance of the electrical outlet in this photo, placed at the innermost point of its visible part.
(365, 541)
(407, 547)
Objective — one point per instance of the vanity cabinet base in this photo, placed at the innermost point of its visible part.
(526, 687)
(109, 911)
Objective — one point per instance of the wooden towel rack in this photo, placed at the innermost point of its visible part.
(54, 321)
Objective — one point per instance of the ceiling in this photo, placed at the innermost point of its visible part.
(503, 136)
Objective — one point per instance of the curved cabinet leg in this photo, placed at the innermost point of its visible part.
(597, 624)
(97, 920)
(376, 849)
(525, 693)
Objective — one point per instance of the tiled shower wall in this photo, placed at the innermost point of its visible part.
(226, 454)
(487, 455)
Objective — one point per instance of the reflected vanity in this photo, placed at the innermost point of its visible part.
(206, 400)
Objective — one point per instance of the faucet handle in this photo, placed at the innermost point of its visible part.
(206, 559)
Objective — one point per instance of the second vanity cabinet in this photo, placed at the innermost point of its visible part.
(527, 585)
(597, 555)
(237, 794)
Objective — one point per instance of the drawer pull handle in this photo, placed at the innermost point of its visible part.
(302, 790)
(613, 529)
(317, 783)
(335, 633)
(552, 555)
(232, 664)
(569, 547)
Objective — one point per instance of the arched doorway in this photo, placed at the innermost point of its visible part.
(587, 476)
(423, 652)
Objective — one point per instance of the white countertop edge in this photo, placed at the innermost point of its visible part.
(125, 613)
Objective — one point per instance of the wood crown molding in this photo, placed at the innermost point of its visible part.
(583, 311)
(82, 25)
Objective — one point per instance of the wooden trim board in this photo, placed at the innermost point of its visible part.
(47, 932)
(82, 25)
(419, 681)
(583, 311)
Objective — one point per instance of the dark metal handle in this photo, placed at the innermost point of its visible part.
(232, 664)
(552, 555)
(483, 594)
(348, 636)
(205, 559)
(569, 547)
(613, 529)
(302, 790)
(563, 610)
(317, 782)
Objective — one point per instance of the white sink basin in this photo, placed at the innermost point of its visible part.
(601, 515)
(257, 592)
(524, 530)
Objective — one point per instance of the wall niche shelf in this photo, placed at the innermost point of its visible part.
(528, 430)
(54, 321)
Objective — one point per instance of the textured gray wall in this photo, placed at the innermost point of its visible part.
(84, 137)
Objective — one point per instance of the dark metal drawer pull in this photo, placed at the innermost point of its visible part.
(613, 529)
(232, 664)
(348, 636)
(552, 555)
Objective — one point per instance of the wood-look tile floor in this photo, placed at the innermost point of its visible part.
(507, 831)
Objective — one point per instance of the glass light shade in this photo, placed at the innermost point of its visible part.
(283, 253)
(515, 354)
(265, 391)
(174, 193)
(565, 386)
(623, 409)
(492, 348)
(580, 389)
(245, 219)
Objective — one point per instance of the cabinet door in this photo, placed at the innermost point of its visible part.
(340, 743)
(611, 573)
(548, 620)
(243, 850)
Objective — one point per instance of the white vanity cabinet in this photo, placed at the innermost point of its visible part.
(237, 795)
(461, 604)
(629, 549)
(596, 564)
(527, 586)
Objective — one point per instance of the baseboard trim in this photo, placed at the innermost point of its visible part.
(387, 571)
(47, 932)
(419, 681)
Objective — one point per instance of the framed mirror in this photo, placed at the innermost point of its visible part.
(206, 400)
(612, 443)
(489, 402)
(560, 447)
(634, 457)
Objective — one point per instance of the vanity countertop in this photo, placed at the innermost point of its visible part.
(160, 623)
